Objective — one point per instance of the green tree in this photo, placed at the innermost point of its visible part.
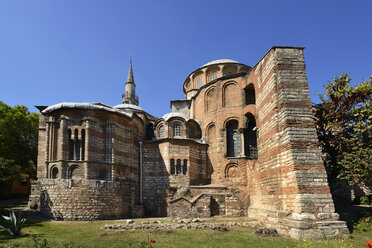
(343, 120)
(18, 143)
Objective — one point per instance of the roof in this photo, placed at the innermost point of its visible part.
(221, 61)
(94, 105)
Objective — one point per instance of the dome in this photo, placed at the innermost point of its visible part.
(221, 61)
(128, 106)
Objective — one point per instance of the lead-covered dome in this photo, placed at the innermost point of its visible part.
(221, 61)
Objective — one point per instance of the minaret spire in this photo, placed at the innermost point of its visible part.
(130, 77)
(129, 96)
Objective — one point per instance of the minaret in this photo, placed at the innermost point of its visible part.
(130, 88)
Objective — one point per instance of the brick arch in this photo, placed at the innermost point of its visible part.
(231, 119)
(231, 171)
(230, 91)
(210, 100)
(75, 172)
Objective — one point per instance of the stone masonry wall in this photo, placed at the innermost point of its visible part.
(290, 189)
(82, 199)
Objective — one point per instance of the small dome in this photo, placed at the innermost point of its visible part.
(166, 117)
(221, 61)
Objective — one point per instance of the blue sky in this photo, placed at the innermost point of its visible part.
(78, 50)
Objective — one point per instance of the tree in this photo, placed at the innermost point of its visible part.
(343, 120)
(18, 143)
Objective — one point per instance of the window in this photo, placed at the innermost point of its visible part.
(172, 168)
(176, 130)
(212, 77)
(184, 167)
(161, 132)
(190, 86)
(233, 139)
(199, 83)
(179, 169)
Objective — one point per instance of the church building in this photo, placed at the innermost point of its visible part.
(241, 143)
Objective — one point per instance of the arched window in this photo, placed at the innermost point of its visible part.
(212, 77)
(177, 130)
(161, 132)
(199, 82)
(250, 137)
(172, 167)
(184, 167)
(54, 172)
(233, 139)
(179, 168)
(249, 95)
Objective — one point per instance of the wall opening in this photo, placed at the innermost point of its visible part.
(250, 137)
(249, 93)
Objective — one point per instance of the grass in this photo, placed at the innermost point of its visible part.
(89, 234)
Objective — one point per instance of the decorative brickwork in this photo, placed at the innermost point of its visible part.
(242, 143)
